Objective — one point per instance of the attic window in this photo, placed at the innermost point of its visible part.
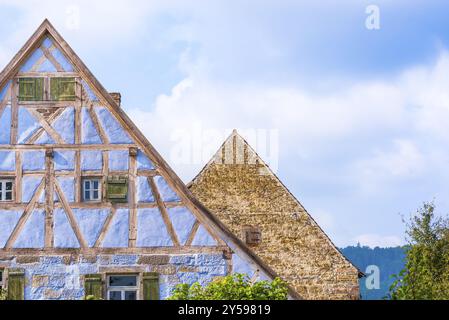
(63, 89)
(31, 89)
(252, 235)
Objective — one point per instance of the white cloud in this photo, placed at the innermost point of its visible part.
(376, 240)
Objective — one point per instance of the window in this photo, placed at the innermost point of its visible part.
(62, 89)
(31, 89)
(117, 188)
(122, 287)
(6, 190)
(91, 190)
(252, 235)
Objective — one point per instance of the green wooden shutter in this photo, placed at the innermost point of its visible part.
(150, 282)
(16, 284)
(93, 286)
(31, 89)
(117, 188)
(62, 89)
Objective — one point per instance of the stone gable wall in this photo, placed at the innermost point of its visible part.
(292, 243)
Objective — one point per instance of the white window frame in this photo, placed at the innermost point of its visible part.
(3, 190)
(91, 190)
(123, 289)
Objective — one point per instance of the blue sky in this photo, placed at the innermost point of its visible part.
(361, 117)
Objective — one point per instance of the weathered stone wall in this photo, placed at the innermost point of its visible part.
(292, 243)
(62, 277)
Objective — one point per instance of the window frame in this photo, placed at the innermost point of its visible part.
(3, 192)
(123, 289)
(91, 190)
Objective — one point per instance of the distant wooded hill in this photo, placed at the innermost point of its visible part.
(389, 260)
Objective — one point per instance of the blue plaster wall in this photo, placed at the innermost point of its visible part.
(151, 229)
(33, 160)
(89, 91)
(143, 163)
(112, 127)
(118, 233)
(64, 160)
(33, 232)
(67, 185)
(29, 186)
(118, 160)
(144, 193)
(91, 160)
(27, 125)
(31, 61)
(90, 222)
(165, 191)
(5, 125)
(65, 125)
(182, 220)
(8, 221)
(203, 238)
(7, 160)
(89, 134)
(61, 278)
(4, 90)
(64, 236)
(62, 60)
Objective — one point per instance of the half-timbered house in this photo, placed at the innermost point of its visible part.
(87, 205)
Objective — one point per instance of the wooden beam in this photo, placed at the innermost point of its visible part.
(105, 228)
(25, 215)
(52, 59)
(18, 185)
(104, 138)
(49, 198)
(70, 216)
(132, 198)
(35, 74)
(164, 213)
(78, 105)
(192, 234)
(52, 132)
(78, 177)
(41, 60)
(69, 146)
(5, 101)
(14, 111)
(51, 119)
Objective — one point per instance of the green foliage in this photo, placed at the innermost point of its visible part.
(426, 273)
(232, 287)
(91, 297)
(389, 260)
(3, 294)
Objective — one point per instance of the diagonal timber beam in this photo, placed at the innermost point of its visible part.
(25, 215)
(70, 216)
(164, 213)
(44, 123)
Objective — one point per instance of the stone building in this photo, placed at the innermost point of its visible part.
(88, 206)
(242, 191)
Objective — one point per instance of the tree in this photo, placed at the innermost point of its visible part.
(232, 287)
(426, 273)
